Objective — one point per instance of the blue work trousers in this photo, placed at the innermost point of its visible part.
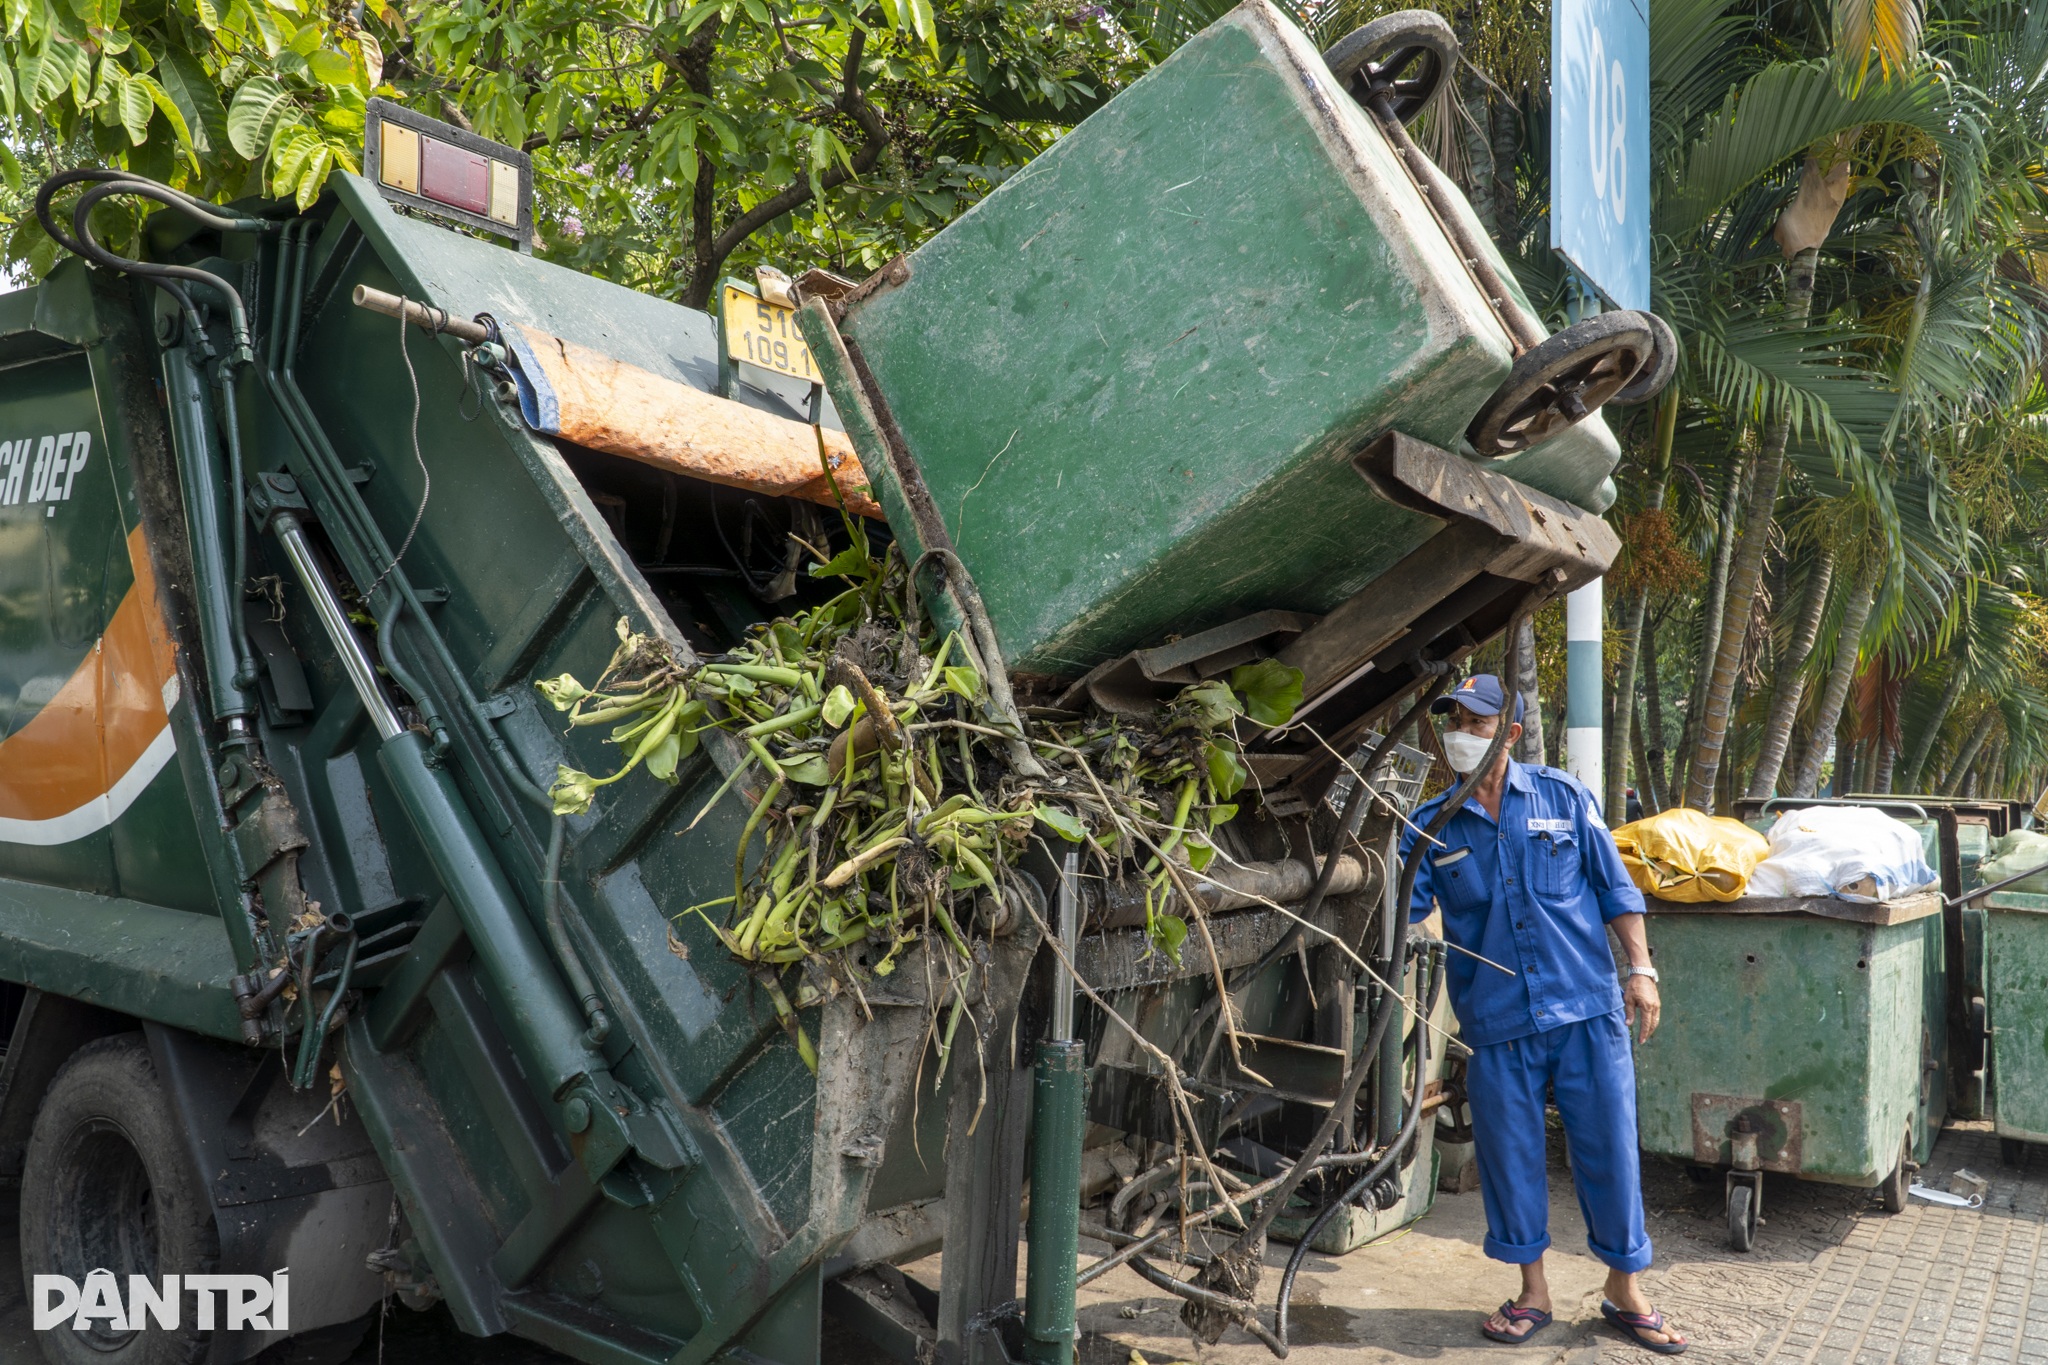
(1589, 1068)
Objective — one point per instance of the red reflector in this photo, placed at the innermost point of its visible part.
(452, 176)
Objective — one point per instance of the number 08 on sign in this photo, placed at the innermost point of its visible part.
(764, 334)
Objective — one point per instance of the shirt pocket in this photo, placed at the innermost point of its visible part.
(1556, 868)
(1457, 881)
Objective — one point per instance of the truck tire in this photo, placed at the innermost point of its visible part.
(107, 1184)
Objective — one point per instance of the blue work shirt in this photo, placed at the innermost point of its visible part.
(1533, 893)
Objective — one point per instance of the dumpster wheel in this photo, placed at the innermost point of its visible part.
(1893, 1191)
(1562, 381)
(1742, 1217)
(1406, 56)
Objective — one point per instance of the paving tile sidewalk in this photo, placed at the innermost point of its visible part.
(1833, 1281)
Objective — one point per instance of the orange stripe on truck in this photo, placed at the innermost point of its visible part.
(110, 715)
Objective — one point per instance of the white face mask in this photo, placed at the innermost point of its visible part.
(1464, 750)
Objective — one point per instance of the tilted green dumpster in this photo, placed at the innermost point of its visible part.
(2016, 950)
(1799, 1036)
(1134, 377)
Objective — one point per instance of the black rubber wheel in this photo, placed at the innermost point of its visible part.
(1562, 381)
(1892, 1193)
(1407, 56)
(106, 1185)
(2012, 1151)
(1663, 363)
(1741, 1217)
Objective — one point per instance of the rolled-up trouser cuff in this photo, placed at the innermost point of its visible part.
(1627, 1262)
(1516, 1255)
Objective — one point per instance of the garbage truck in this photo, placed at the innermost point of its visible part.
(333, 977)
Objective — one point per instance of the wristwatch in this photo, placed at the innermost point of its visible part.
(1650, 972)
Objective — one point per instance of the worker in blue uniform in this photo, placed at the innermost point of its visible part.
(1529, 881)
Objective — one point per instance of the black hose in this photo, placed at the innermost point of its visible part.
(572, 962)
(1378, 1170)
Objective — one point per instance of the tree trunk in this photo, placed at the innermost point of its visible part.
(1848, 645)
(1881, 780)
(1952, 780)
(1709, 628)
(1530, 747)
(1746, 571)
(1646, 775)
(1507, 141)
(1618, 746)
(1653, 715)
(1915, 756)
(1790, 684)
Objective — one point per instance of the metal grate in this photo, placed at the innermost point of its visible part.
(1401, 780)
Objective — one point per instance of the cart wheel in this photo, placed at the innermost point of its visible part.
(1562, 381)
(1893, 1190)
(2012, 1151)
(1657, 371)
(1741, 1217)
(1406, 55)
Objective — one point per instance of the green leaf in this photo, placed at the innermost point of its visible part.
(1271, 690)
(662, 762)
(838, 707)
(1061, 822)
(963, 679)
(853, 562)
(573, 791)
(133, 105)
(314, 175)
(185, 81)
(1222, 813)
(1167, 933)
(10, 170)
(1226, 771)
(260, 105)
(1213, 702)
(173, 115)
(1199, 850)
(331, 68)
(811, 770)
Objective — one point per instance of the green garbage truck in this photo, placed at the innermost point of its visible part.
(342, 961)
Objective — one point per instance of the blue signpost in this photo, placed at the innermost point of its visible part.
(1600, 224)
(1600, 144)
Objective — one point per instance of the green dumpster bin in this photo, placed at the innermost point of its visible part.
(1134, 377)
(1799, 1036)
(2016, 952)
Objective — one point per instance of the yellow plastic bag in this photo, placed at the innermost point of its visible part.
(1684, 855)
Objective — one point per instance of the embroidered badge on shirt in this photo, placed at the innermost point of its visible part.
(1537, 826)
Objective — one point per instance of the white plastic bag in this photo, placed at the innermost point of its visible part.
(1857, 853)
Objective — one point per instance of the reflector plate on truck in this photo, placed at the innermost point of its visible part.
(764, 334)
(443, 170)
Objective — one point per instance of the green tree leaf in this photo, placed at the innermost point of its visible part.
(260, 105)
(1271, 690)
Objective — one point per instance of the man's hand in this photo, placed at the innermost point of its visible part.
(1639, 998)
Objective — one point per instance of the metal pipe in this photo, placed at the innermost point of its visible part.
(199, 481)
(1874, 800)
(423, 315)
(1070, 933)
(580, 983)
(1058, 1119)
(334, 618)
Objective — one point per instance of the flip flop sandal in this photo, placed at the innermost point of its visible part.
(1508, 1310)
(1633, 1325)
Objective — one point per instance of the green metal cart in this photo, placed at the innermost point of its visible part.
(1801, 1036)
(2016, 953)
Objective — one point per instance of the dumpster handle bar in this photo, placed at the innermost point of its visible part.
(1969, 896)
(329, 609)
(1913, 806)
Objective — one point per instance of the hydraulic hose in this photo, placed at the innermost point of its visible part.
(1371, 1176)
(580, 982)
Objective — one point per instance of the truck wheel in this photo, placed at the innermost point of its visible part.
(106, 1185)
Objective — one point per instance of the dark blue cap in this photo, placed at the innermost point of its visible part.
(1481, 694)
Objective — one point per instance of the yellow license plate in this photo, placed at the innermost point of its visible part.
(765, 334)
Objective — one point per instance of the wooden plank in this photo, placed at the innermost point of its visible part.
(1902, 911)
